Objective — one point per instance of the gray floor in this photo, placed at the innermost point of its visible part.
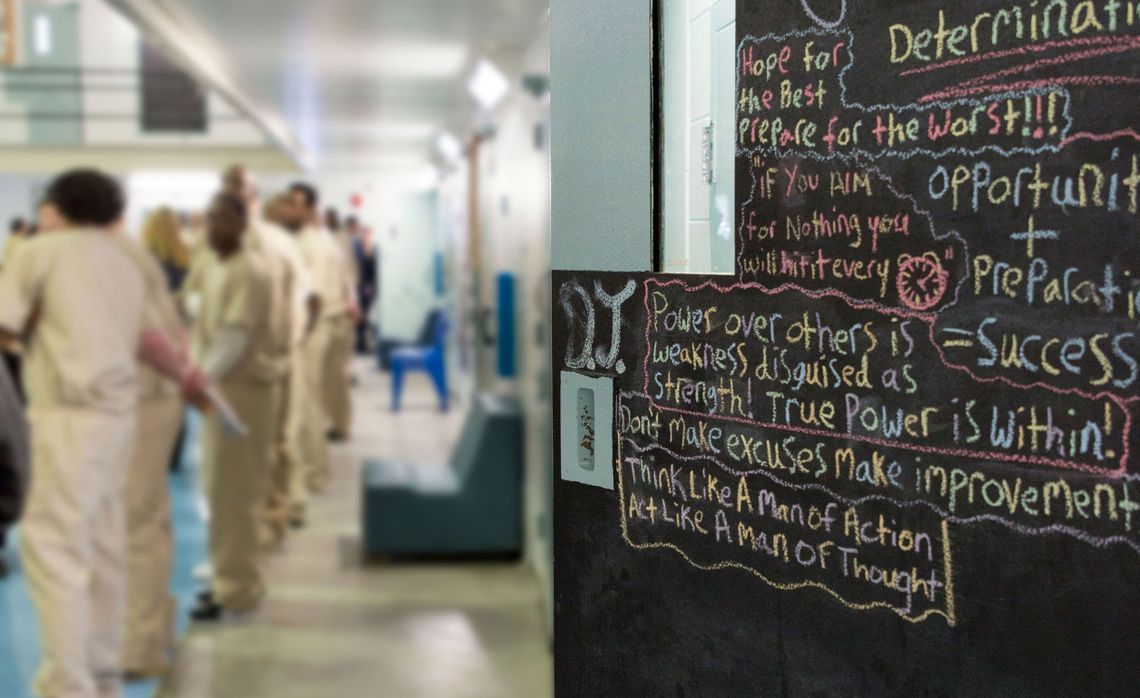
(334, 627)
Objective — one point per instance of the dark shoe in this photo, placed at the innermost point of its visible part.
(336, 437)
(207, 612)
(206, 596)
(296, 523)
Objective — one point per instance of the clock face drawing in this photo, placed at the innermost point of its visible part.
(921, 281)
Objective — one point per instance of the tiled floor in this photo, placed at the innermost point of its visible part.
(333, 626)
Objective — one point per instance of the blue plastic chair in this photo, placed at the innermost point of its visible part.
(430, 359)
(424, 339)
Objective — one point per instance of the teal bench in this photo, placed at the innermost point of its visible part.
(471, 505)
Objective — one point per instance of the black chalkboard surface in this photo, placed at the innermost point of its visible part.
(896, 453)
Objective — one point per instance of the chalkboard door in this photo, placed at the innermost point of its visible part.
(896, 452)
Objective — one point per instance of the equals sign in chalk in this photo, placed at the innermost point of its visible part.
(960, 342)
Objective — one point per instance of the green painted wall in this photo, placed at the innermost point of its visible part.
(601, 213)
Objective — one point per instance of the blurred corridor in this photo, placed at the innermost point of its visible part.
(329, 268)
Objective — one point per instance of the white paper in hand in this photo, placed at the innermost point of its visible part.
(230, 421)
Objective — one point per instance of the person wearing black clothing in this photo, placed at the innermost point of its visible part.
(367, 259)
(19, 232)
(14, 455)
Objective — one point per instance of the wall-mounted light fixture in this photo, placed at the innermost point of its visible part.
(449, 147)
(487, 85)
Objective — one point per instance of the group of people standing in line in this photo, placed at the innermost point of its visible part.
(253, 324)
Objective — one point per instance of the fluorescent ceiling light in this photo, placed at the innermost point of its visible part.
(381, 130)
(378, 163)
(488, 85)
(424, 59)
(449, 146)
(397, 59)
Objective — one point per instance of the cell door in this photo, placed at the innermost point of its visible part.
(697, 79)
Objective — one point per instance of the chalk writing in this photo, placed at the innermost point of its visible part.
(792, 99)
(1095, 510)
(926, 370)
(587, 356)
(867, 553)
(852, 370)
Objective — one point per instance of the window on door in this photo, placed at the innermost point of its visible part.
(696, 166)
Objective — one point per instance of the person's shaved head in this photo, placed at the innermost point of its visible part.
(226, 221)
(239, 181)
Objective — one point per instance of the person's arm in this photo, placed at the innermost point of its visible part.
(21, 286)
(164, 356)
(191, 289)
(345, 270)
(225, 353)
(304, 286)
(313, 305)
(245, 303)
(162, 341)
(309, 257)
(353, 302)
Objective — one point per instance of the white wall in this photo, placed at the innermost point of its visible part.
(452, 217)
(186, 191)
(408, 246)
(515, 234)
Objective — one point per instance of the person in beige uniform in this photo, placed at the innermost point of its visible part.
(48, 217)
(302, 438)
(235, 327)
(18, 232)
(326, 269)
(149, 629)
(289, 317)
(79, 300)
(338, 398)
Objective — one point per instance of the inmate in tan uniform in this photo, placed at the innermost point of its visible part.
(237, 293)
(290, 284)
(325, 268)
(12, 244)
(202, 258)
(338, 397)
(149, 635)
(82, 386)
(307, 451)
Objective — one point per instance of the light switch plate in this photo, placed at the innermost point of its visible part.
(586, 424)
